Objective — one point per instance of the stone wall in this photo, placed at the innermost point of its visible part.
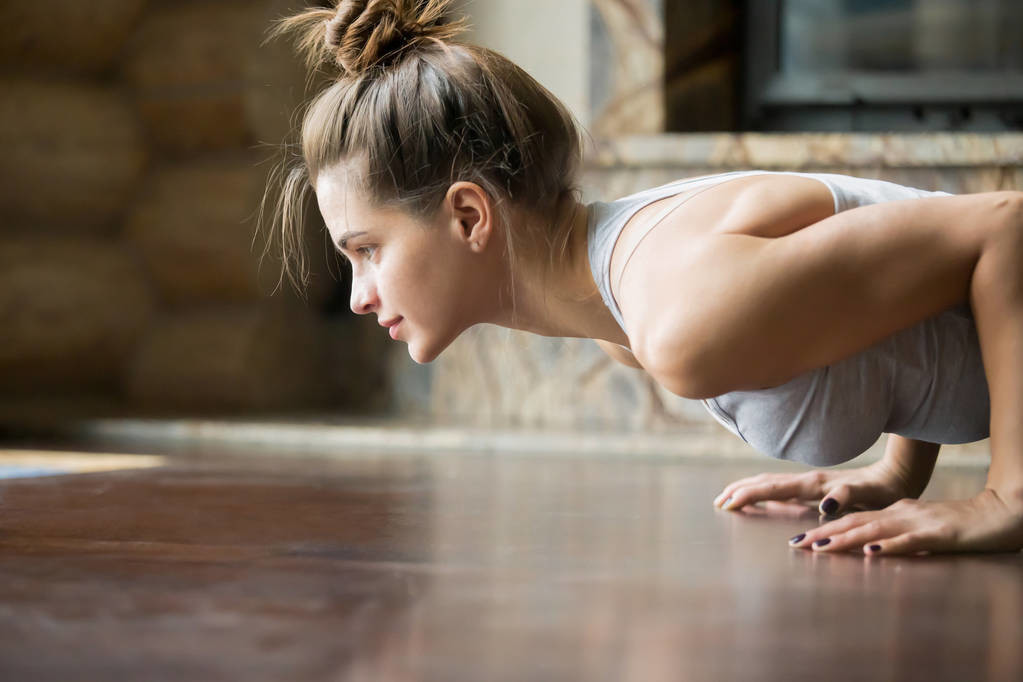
(626, 67)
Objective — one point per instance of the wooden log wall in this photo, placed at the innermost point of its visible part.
(138, 137)
(73, 155)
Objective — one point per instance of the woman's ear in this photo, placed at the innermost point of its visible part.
(470, 210)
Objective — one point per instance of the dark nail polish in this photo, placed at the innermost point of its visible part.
(798, 538)
(821, 543)
(875, 548)
(830, 506)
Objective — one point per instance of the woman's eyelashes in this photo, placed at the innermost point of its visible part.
(364, 251)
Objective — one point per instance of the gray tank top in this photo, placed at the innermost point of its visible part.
(925, 382)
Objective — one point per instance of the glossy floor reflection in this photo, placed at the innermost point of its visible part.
(219, 566)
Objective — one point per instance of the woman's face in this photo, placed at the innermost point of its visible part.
(430, 276)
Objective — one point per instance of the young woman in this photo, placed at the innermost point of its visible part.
(809, 312)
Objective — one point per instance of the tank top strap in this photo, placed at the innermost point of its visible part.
(658, 217)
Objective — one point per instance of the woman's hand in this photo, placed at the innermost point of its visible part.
(985, 523)
(872, 487)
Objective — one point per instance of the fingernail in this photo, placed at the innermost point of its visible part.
(726, 502)
(829, 506)
(797, 539)
(875, 548)
(821, 543)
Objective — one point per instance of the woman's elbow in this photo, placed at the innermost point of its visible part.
(678, 378)
(698, 378)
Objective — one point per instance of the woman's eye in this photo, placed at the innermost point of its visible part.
(367, 249)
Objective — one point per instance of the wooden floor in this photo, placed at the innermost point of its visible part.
(221, 566)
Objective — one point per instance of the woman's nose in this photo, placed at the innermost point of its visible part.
(362, 301)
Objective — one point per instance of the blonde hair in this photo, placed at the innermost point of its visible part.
(416, 111)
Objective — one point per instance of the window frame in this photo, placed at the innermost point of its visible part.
(867, 100)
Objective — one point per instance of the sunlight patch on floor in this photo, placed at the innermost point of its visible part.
(32, 463)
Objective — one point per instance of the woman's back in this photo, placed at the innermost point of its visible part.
(925, 382)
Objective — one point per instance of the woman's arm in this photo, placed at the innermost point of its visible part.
(911, 460)
(731, 311)
(742, 311)
(996, 296)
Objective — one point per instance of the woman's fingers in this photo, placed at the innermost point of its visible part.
(907, 543)
(837, 491)
(837, 499)
(735, 485)
(873, 539)
(769, 487)
(846, 532)
(794, 511)
(907, 527)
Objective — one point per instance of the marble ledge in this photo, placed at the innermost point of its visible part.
(359, 437)
(793, 151)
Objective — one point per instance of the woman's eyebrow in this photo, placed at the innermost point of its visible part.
(343, 240)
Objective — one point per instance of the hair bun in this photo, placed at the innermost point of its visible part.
(358, 35)
(367, 33)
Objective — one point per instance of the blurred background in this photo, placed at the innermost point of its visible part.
(138, 135)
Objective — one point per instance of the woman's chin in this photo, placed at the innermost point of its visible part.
(420, 358)
(424, 356)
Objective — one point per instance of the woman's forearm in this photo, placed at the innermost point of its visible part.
(996, 295)
(912, 460)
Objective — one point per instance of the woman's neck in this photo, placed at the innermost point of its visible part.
(568, 303)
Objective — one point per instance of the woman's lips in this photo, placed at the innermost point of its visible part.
(393, 327)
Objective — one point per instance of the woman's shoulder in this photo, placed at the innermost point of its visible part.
(673, 230)
(762, 205)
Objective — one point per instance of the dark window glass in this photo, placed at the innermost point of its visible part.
(895, 65)
(901, 35)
